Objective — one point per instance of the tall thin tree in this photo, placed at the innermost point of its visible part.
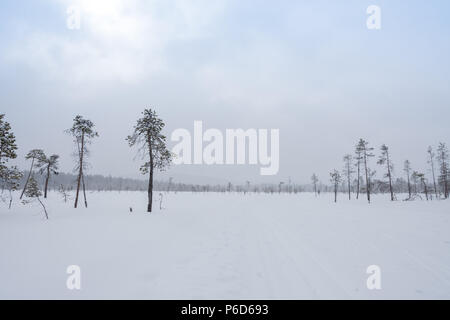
(384, 159)
(348, 172)
(148, 136)
(83, 132)
(358, 159)
(366, 153)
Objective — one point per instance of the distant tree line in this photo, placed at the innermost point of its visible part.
(358, 176)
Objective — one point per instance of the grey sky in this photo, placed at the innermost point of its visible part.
(309, 68)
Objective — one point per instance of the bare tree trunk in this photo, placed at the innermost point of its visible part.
(425, 190)
(80, 173)
(367, 178)
(389, 174)
(150, 179)
(45, 210)
(335, 192)
(84, 191)
(434, 179)
(409, 184)
(10, 199)
(348, 181)
(28, 178)
(46, 181)
(359, 176)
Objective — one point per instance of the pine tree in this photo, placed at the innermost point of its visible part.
(335, 180)
(83, 132)
(443, 168)
(34, 155)
(407, 169)
(32, 191)
(348, 172)
(8, 146)
(147, 134)
(48, 166)
(11, 181)
(366, 153)
(314, 180)
(385, 160)
(431, 162)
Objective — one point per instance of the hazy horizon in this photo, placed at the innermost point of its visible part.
(312, 70)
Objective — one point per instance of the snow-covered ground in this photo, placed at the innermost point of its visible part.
(222, 246)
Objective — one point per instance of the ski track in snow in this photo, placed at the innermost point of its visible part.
(227, 246)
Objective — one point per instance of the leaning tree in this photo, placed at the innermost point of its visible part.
(152, 146)
(82, 132)
(34, 155)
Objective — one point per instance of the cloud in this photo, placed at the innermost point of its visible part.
(118, 40)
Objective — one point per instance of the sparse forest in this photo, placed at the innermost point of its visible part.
(356, 177)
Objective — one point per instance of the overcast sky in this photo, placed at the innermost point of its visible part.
(311, 69)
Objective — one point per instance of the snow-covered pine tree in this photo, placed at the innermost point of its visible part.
(314, 180)
(147, 135)
(48, 165)
(8, 146)
(385, 160)
(348, 172)
(365, 153)
(83, 132)
(11, 181)
(335, 180)
(34, 155)
(32, 191)
(442, 156)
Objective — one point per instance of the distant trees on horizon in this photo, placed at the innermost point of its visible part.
(148, 137)
(363, 152)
